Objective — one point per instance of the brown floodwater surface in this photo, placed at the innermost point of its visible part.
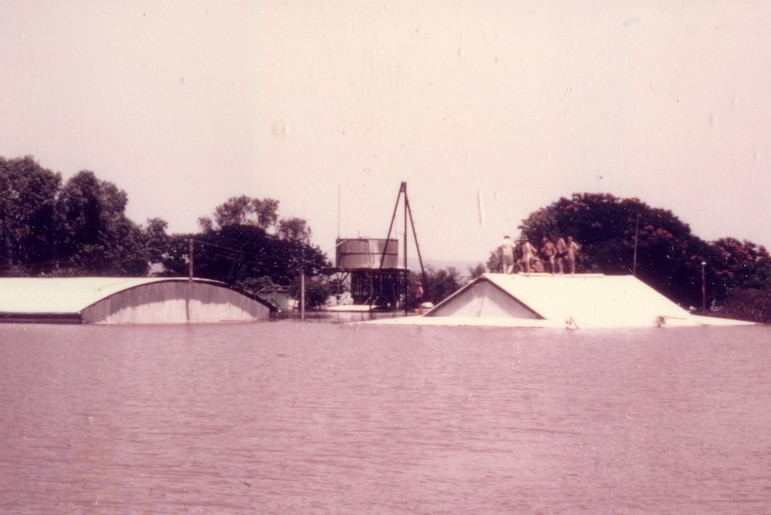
(303, 417)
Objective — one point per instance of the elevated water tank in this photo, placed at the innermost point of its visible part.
(366, 253)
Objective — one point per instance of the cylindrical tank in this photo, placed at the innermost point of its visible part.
(367, 253)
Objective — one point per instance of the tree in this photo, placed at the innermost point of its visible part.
(440, 283)
(294, 229)
(494, 263)
(236, 247)
(97, 237)
(267, 212)
(742, 265)
(752, 304)
(28, 223)
(206, 224)
(743, 273)
(621, 236)
(156, 239)
(242, 210)
(317, 291)
(80, 228)
(476, 271)
(242, 254)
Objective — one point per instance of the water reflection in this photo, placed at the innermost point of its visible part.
(341, 317)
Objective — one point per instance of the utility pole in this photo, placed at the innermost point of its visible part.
(190, 259)
(302, 295)
(636, 234)
(189, 277)
(407, 214)
(703, 287)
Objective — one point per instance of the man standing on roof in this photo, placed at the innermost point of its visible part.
(549, 251)
(572, 252)
(562, 254)
(528, 254)
(507, 254)
(419, 297)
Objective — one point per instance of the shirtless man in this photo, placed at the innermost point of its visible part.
(528, 254)
(572, 252)
(549, 251)
(562, 254)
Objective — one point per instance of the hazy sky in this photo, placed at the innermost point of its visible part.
(487, 109)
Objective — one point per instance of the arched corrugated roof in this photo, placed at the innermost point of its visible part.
(126, 300)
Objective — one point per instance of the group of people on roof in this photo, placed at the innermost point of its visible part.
(555, 256)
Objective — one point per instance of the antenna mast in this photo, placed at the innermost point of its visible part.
(407, 213)
(338, 212)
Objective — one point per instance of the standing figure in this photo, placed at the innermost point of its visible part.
(419, 298)
(572, 251)
(562, 254)
(549, 251)
(528, 254)
(507, 254)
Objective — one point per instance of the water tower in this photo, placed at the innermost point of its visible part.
(377, 280)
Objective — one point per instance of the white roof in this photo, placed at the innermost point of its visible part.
(62, 294)
(590, 300)
(573, 301)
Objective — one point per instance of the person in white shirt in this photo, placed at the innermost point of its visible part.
(507, 254)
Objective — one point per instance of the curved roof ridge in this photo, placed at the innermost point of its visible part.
(52, 298)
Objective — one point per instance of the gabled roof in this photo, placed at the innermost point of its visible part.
(585, 300)
(574, 301)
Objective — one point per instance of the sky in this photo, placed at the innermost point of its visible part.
(488, 110)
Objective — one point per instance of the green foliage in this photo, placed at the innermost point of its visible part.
(294, 229)
(317, 291)
(626, 236)
(668, 256)
(80, 228)
(440, 284)
(476, 271)
(253, 285)
(28, 220)
(235, 248)
(97, 237)
(742, 264)
(156, 239)
(76, 229)
(744, 271)
(753, 304)
(242, 210)
(239, 254)
(494, 263)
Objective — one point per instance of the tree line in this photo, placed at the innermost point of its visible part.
(626, 236)
(245, 243)
(78, 227)
(49, 227)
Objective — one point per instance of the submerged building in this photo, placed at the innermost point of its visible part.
(125, 300)
(572, 301)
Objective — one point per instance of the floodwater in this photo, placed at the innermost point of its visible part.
(307, 417)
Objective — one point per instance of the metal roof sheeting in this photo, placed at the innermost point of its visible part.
(573, 301)
(125, 300)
